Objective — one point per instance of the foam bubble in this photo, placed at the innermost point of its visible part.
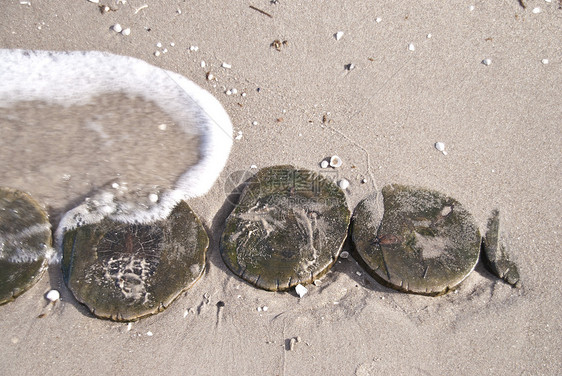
(74, 78)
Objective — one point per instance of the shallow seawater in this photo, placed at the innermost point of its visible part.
(63, 154)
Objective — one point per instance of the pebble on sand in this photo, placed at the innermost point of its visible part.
(126, 31)
(344, 184)
(411, 47)
(53, 296)
(226, 65)
(335, 161)
(301, 290)
(117, 28)
(544, 61)
(338, 35)
(487, 61)
(324, 164)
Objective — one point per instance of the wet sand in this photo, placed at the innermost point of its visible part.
(500, 125)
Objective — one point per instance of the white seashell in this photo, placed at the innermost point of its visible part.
(203, 64)
(429, 36)
(324, 164)
(487, 62)
(117, 28)
(149, 333)
(536, 10)
(126, 31)
(344, 254)
(172, 44)
(471, 8)
(210, 76)
(254, 123)
(411, 47)
(153, 197)
(301, 290)
(544, 61)
(378, 20)
(335, 161)
(234, 91)
(440, 146)
(226, 65)
(159, 44)
(344, 184)
(53, 296)
(228, 92)
(265, 308)
(129, 326)
(338, 35)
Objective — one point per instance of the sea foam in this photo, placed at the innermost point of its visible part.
(74, 78)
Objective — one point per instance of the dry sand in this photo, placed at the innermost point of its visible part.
(501, 127)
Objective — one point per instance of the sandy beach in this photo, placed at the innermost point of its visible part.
(402, 77)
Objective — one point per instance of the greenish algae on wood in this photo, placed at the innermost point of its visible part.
(496, 255)
(427, 243)
(127, 271)
(25, 241)
(287, 229)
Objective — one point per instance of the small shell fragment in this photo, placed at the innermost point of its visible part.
(338, 35)
(53, 296)
(153, 197)
(226, 65)
(324, 164)
(117, 28)
(440, 146)
(194, 48)
(536, 10)
(378, 20)
(544, 61)
(344, 184)
(487, 61)
(411, 47)
(126, 31)
(335, 161)
(301, 290)
(159, 44)
(157, 53)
